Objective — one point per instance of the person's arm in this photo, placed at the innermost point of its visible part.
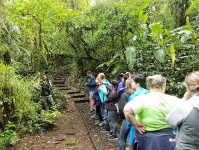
(129, 115)
(112, 96)
(122, 102)
(121, 87)
(92, 83)
(176, 116)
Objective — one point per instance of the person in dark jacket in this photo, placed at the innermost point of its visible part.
(112, 110)
(45, 89)
(137, 84)
(122, 102)
(91, 88)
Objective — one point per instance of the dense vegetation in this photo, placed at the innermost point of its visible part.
(111, 36)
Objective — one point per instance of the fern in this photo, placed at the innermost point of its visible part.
(130, 57)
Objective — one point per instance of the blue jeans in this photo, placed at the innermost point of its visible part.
(123, 135)
(104, 113)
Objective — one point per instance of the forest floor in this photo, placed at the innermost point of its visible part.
(70, 133)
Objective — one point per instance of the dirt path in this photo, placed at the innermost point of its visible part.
(70, 127)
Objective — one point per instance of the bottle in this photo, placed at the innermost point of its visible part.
(175, 131)
(116, 105)
(173, 142)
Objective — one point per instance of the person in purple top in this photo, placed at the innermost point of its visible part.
(121, 87)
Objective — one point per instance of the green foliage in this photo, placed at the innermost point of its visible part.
(9, 136)
(49, 116)
(16, 94)
(130, 57)
(21, 106)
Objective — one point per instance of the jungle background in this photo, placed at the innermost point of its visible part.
(110, 36)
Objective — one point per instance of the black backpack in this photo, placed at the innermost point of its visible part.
(122, 103)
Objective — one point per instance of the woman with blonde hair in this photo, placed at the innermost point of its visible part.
(185, 115)
(152, 130)
(103, 94)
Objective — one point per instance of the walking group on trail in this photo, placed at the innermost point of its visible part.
(152, 120)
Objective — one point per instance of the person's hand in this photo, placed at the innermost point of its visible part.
(140, 127)
(98, 88)
(186, 95)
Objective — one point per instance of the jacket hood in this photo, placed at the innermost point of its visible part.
(194, 101)
(106, 81)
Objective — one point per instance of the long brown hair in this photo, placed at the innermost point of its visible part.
(128, 85)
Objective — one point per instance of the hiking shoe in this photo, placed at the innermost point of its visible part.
(94, 117)
(112, 138)
(104, 131)
(97, 123)
(110, 133)
(101, 123)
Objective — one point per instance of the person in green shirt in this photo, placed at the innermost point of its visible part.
(152, 130)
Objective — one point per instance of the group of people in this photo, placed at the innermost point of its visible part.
(150, 117)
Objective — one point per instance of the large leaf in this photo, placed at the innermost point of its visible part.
(130, 56)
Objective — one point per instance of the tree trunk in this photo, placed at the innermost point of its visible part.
(7, 57)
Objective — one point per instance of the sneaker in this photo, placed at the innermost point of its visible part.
(104, 131)
(97, 123)
(111, 138)
(101, 123)
(110, 133)
(104, 118)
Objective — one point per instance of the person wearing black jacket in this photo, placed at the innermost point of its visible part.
(122, 102)
(91, 88)
(112, 110)
(45, 88)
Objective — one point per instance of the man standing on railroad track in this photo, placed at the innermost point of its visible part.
(91, 88)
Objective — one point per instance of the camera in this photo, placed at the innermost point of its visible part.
(125, 75)
(46, 72)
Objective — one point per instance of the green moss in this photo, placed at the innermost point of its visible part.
(71, 141)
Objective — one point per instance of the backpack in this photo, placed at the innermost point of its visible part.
(108, 88)
(122, 102)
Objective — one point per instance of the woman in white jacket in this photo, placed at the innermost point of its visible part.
(185, 115)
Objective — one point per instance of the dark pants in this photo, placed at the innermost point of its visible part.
(153, 140)
(123, 135)
(98, 112)
(107, 127)
(112, 119)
